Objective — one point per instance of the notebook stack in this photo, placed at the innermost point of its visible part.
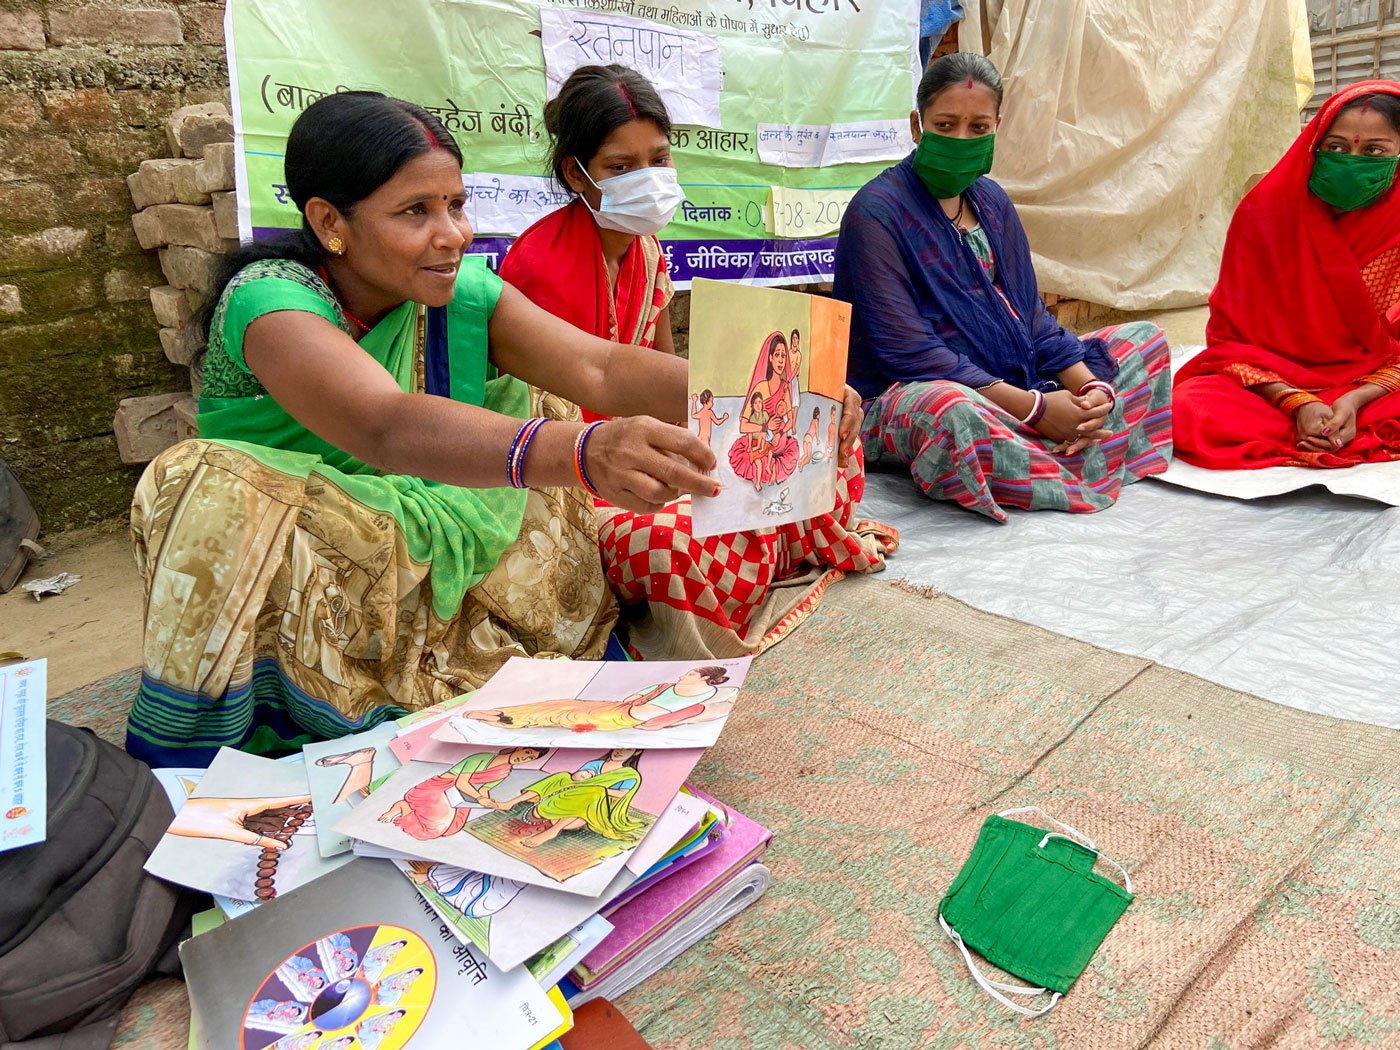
(499, 859)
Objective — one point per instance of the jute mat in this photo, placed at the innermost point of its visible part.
(1264, 843)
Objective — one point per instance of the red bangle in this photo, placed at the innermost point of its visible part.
(1099, 384)
(1037, 408)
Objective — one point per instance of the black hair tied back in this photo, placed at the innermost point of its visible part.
(593, 103)
(341, 149)
(1387, 106)
(956, 68)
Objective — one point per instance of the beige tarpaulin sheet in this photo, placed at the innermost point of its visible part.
(1130, 128)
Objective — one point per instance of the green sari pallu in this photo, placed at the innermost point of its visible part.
(564, 798)
(294, 593)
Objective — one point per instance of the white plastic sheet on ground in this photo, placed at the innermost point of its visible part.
(1377, 481)
(1130, 129)
(1293, 598)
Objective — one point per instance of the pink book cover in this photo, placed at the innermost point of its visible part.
(642, 919)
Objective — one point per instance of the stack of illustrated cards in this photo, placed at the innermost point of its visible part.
(513, 820)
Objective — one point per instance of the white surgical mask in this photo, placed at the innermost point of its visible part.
(639, 202)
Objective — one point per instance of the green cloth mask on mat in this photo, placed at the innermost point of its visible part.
(1348, 181)
(948, 165)
(1027, 900)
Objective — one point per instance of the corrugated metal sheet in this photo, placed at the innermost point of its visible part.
(1352, 40)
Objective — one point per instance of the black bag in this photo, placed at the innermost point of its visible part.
(81, 923)
(19, 524)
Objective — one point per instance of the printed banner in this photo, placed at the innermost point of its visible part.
(765, 95)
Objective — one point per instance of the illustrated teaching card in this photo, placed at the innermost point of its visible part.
(569, 819)
(509, 920)
(341, 773)
(767, 377)
(358, 961)
(246, 831)
(575, 703)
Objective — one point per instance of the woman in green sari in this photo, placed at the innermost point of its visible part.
(597, 796)
(368, 522)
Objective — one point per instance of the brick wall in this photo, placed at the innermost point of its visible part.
(85, 90)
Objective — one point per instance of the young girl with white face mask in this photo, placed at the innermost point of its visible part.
(598, 264)
(610, 146)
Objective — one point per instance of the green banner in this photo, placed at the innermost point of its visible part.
(807, 97)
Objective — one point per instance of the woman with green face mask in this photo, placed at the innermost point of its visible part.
(967, 379)
(1302, 366)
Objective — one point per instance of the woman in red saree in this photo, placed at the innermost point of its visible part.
(597, 263)
(770, 454)
(1302, 366)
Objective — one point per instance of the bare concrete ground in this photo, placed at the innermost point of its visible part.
(91, 630)
(94, 629)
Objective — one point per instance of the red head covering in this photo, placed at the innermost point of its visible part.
(558, 264)
(1291, 298)
(765, 360)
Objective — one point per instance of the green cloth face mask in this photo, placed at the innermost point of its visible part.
(1348, 181)
(948, 165)
(1028, 901)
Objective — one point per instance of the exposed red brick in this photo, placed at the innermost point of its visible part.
(176, 224)
(84, 108)
(21, 31)
(145, 426)
(100, 198)
(204, 24)
(226, 216)
(104, 25)
(191, 128)
(34, 156)
(18, 112)
(170, 306)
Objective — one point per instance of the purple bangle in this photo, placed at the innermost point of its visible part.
(515, 447)
(518, 478)
(579, 446)
(515, 457)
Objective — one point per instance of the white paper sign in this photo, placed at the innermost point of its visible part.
(508, 205)
(822, 145)
(684, 67)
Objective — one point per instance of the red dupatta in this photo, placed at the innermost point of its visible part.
(558, 264)
(1291, 298)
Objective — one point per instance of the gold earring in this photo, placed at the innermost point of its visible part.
(335, 246)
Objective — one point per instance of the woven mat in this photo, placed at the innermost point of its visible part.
(1264, 844)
